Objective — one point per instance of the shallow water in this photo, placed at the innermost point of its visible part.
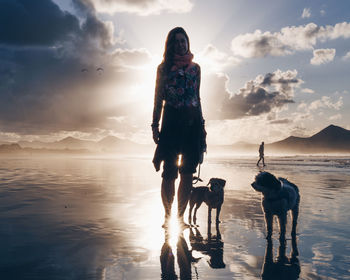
(100, 218)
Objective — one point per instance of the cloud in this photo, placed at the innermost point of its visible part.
(326, 102)
(38, 22)
(346, 56)
(307, 90)
(264, 94)
(140, 7)
(282, 121)
(322, 56)
(306, 13)
(288, 40)
(44, 91)
(21, 24)
(214, 60)
(335, 117)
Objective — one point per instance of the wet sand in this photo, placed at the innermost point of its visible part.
(100, 218)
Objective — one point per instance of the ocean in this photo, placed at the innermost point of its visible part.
(80, 217)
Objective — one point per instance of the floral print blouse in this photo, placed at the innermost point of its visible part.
(178, 89)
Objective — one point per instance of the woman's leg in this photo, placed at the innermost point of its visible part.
(184, 193)
(168, 192)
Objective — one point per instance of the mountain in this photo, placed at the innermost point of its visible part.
(33, 144)
(10, 148)
(73, 143)
(330, 139)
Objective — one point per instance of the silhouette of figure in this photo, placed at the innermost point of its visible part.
(284, 267)
(167, 259)
(261, 154)
(184, 258)
(212, 246)
(182, 131)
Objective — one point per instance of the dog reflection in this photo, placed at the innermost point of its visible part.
(212, 246)
(283, 267)
(167, 259)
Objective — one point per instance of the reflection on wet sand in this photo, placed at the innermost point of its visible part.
(283, 267)
(212, 246)
(111, 227)
(183, 256)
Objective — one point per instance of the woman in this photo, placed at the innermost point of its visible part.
(182, 131)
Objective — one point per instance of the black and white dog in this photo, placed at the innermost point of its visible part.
(278, 197)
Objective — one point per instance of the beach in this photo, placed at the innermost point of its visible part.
(100, 217)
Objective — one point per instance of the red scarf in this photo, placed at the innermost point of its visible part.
(182, 60)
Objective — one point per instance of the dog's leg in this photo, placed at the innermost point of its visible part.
(195, 213)
(218, 214)
(295, 214)
(282, 258)
(269, 222)
(190, 210)
(209, 215)
(295, 251)
(282, 218)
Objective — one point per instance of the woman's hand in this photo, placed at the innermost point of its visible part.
(155, 132)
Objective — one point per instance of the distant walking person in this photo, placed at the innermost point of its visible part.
(261, 154)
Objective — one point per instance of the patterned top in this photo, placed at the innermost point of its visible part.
(180, 88)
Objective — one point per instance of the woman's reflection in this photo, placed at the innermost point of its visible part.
(167, 259)
(283, 267)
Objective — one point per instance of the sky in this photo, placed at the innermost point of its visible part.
(270, 69)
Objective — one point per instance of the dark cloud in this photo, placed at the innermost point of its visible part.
(281, 121)
(39, 22)
(43, 23)
(42, 87)
(265, 94)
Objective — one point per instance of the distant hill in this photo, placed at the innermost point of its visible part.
(108, 144)
(330, 139)
(10, 148)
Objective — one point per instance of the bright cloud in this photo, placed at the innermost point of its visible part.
(214, 60)
(306, 13)
(346, 56)
(335, 117)
(288, 40)
(307, 90)
(326, 102)
(322, 56)
(141, 7)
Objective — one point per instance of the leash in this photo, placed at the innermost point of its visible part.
(197, 178)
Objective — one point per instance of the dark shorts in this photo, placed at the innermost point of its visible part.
(180, 135)
(171, 168)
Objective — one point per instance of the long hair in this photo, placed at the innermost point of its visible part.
(169, 51)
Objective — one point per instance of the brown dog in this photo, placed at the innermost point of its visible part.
(213, 196)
